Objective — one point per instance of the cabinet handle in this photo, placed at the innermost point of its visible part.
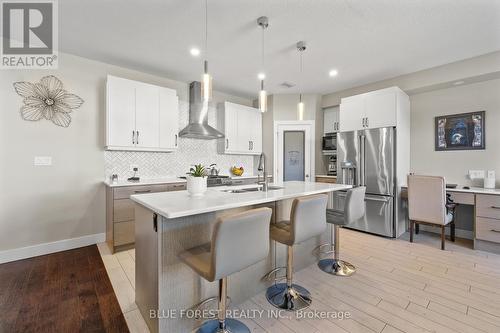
(155, 222)
(495, 207)
(176, 140)
(137, 137)
(142, 191)
(133, 137)
(227, 143)
(494, 230)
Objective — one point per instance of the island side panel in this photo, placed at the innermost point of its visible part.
(146, 264)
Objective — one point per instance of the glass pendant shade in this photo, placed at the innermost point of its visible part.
(262, 98)
(206, 84)
(300, 111)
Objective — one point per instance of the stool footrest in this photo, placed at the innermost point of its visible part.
(205, 302)
(269, 276)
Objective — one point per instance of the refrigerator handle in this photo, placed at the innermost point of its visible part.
(362, 180)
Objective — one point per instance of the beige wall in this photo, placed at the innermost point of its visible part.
(66, 200)
(455, 164)
(284, 107)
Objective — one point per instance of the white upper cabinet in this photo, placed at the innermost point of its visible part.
(140, 116)
(147, 116)
(371, 110)
(352, 114)
(381, 109)
(120, 113)
(331, 120)
(242, 127)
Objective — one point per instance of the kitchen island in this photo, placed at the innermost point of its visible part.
(169, 223)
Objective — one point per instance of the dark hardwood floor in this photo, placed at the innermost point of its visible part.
(61, 292)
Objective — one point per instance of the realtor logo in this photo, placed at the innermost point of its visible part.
(29, 34)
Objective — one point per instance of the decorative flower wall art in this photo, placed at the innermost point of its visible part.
(47, 99)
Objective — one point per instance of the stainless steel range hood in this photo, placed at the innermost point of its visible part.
(198, 127)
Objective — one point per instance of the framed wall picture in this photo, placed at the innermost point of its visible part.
(464, 131)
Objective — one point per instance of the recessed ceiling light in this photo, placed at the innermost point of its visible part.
(333, 72)
(458, 83)
(194, 52)
(261, 76)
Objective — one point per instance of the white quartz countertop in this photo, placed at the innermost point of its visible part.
(475, 190)
(180, 203)
(166, 180)
(326, 176)
(125, 182)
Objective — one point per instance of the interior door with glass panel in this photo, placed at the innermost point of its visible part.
(294, 154)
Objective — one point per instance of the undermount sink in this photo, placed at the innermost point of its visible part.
(252, 189)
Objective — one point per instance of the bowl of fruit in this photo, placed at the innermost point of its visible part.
(237, 171)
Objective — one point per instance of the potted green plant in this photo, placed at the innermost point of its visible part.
(197, 180)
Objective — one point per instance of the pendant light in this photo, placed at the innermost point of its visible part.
(301, 47)
(262, 22)
(206, 79)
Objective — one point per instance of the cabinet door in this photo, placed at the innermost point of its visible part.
(329, 120)
(120, 113)
(147, 116)
(255, 132)
(245, 122)
(381, 110)
(230, 128)
(351, 114)
(169, 119)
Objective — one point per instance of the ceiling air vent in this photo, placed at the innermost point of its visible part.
(287, 85)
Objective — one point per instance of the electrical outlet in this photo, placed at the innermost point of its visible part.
(490, 174)
(476, 174)
(132, 167)
(42, 161)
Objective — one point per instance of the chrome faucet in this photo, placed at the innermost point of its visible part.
(262, 167)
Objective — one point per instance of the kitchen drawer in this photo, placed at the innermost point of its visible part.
(488, 206)
(123, 210)
(326, 180)
(176, 187)
(462, 198)
(488, 229)
(124, 233)
(126, 192)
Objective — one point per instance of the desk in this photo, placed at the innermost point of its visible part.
(486, 202)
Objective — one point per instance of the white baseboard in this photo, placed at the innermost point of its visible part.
(46, 248)
(460, 233)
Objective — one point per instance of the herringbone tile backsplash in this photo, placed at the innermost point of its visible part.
(177, 163)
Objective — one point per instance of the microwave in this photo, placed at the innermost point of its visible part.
(330, 143)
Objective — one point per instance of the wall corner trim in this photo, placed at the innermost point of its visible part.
(51, 247)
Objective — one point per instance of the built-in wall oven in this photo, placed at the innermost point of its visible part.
(330, 144)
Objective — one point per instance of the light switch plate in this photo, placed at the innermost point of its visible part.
(42, 161)
(476, 174)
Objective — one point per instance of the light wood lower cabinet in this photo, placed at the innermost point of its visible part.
(120, 212)
(320, 179)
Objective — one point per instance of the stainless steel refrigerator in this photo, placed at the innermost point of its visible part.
(368, 158)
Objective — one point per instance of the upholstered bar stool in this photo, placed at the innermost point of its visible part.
(307, 219)
(354, 209)
(238, 241)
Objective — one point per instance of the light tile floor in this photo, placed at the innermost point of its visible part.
(398, 287)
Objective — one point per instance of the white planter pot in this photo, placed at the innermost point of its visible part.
(196, 186)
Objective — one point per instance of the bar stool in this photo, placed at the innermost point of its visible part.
(307, 219)
(238, 241)
(354, 209)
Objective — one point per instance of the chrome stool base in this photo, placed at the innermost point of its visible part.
(336, 267)
(286, 298)
(232, 326)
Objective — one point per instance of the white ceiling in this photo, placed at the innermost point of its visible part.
(365, 40)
